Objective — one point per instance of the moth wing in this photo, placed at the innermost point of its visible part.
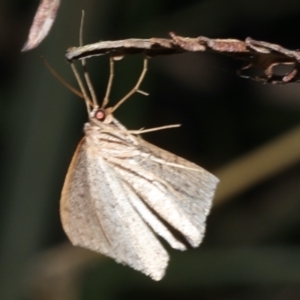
(97, 214)
(178, 191)
(78, 216)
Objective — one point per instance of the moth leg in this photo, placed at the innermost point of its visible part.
(110, 81)
(136, 87)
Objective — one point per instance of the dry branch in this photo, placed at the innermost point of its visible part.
(257, 55)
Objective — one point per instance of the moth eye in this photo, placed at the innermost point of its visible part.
(100, 114)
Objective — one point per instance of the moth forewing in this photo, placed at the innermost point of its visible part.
(180, 196)
(78, 216)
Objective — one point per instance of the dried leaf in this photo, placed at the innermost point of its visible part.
(259, 55)
(42, 22)
(150, 47)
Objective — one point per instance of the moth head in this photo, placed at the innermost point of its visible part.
(102, 115)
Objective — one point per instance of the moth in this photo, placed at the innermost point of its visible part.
(121, 192)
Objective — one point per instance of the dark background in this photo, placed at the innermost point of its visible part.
(252, 244)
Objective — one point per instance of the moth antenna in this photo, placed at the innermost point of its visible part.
(136, 87)
(84, 66)
(110, 81)
(63, 81)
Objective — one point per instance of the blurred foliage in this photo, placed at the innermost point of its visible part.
(251, 249)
